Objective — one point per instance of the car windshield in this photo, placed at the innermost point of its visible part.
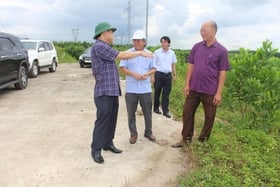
(29, 45)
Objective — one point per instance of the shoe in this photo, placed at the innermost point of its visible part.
(177, 145)
(157, 111)
(167, 114)
(150, 137)
(182, 143)
(133, 139)
(98, 158)
(202, 140)
(113, 149)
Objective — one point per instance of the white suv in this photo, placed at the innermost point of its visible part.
(42, 54)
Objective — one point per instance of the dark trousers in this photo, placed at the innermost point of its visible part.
(105, 123)
(191, 103)
(163, 84)
(131, 101)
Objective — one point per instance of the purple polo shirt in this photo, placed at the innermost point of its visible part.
(104, 69)
(208, 62)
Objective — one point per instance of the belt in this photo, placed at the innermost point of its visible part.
(166, 74)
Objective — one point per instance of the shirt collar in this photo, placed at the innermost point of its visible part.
(215, 44)
(133, 49)
(161, 50)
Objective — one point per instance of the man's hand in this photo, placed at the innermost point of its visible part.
(138, 76)
(217, 99)
(147, 54)
(186, 90)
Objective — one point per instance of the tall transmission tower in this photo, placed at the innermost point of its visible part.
(75, 32)
(128, 21)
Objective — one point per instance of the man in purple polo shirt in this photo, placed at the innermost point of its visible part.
(207, 66)
(107, 89)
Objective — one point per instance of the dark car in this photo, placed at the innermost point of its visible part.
(13, 62)
(85, 58)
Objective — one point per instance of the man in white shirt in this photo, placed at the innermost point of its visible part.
(165, 62)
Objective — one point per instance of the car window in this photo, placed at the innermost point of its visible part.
(41, 45)
(5, 44)
(50, 47)
(29, 45)
(47, 46)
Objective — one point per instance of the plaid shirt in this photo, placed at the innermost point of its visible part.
(105, 70)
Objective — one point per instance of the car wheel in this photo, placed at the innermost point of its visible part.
(81, 65)
(53, 67)
(34, 71)
(23, 78)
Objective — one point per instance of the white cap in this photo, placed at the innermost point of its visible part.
(139, 35)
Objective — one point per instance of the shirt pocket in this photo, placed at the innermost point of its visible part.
(213, 61)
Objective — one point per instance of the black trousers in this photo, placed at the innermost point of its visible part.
(105, 123)
(162, 85)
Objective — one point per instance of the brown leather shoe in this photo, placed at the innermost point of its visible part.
(177, 145)
(181, 143)
(133, 139)
(150, 137)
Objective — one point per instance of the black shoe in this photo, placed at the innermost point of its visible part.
(98, 158)
(157, 111)
(113, 149)
(166, 114)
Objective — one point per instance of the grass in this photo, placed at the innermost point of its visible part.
(234, 157)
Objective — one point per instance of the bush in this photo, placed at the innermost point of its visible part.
(70, 51)
(253, 89)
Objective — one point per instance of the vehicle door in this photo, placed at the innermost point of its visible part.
(9, 61)
(42, 54)
(50, 50)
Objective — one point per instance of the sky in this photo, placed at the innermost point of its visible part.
(241, 23)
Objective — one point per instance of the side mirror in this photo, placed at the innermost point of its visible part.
(41, 49)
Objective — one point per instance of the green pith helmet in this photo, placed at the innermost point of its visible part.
(101, 27)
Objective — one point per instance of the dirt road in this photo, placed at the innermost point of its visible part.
(46, 130)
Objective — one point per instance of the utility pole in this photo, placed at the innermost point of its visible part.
(128, 21)
(75, 32)
(147, 15)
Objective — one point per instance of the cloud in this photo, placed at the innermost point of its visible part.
(240, 23)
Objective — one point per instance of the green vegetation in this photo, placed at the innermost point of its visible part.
(69, 52)
(244, 149)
